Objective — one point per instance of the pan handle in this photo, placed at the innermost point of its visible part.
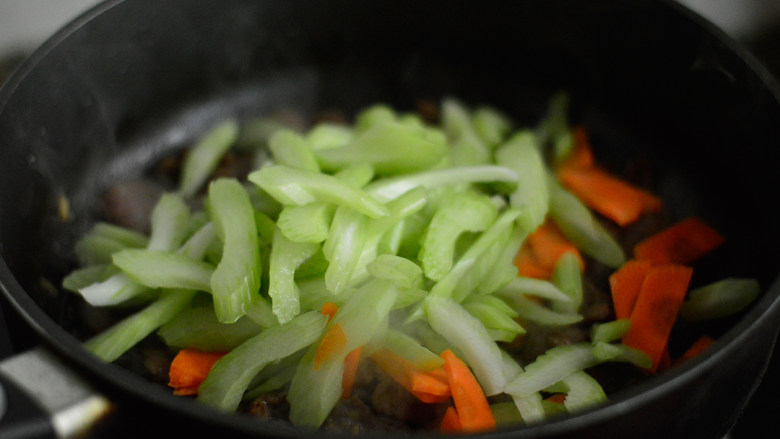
(40, 397)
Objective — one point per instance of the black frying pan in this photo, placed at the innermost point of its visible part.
(131, 81)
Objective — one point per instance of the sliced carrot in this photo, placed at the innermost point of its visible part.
(333, 342)
(189, 368)
(470, 402)
(351, 363)
(699, 346)
(428, 387)
(450, 423)
(656, 309)
(681, 243)
(329, 309)
(527, 264)
(625, 284)
(666, 361)
(557, 398)
(607, 194)
(548, 245)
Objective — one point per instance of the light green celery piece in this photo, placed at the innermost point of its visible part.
(506, 414)
(521, 154)
(552, 366)
(198, 328)
(202, 159)
(390, 148)
(262, 201)
(489, 238)
(413, 119)
(582, 391)
(494, 302)
(198, 244)
(231, 375)
(543, 289)
(470, 336)
(476, 276)
(254, 134)
(491, 125)
(265, 229)
(466, 146)
(390, 243)
(567, 277)
(403, 272)
(386, 189)
(617, 352)
(499, 325)
(555, 122)
(562, 146)
(719, 299)
(465, 212)
(286, 257)
(236, 280)
(274, 376)
(118, 339)
(315, 266)
(314, 294)
(122, 235)
(298, 187)
(435, 342)
(504, 271)
(159, 269)
(306, 224)
(357, 175)
(327, 135)
(609, 331)
(315, 390)
(291, 149)
(342, 248)
(529, 407)
(535, 312)
(169, 223)
(89, 275)
(373, 116)
(116, 289)
(411, 350)
(259, 311)
(92, 249)
(579, 226)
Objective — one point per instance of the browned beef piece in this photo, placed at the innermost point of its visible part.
(130, 204)
(355, 416)
(270, 405)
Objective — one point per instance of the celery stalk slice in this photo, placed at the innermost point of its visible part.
(86, 276)
(582, 391)
(112, 291)
(298, 187)
(198, 244)
(236, 280)
(198, 328)
(538, 313)
(411, 350)
(719, 299)
(230, 376)
(286, 257)
(159, 269)
(291, 149)
(343, 247)
(169, 221)
(306, 224)
(95, 249)
(403, 272)
(567, 277)
(466, 146)
(521, 154)
(541, 288)
(118, 339)
(202, 159)
(502, 327)
(326, 135)
(491, 125)
(374, 115)
(122, 235)
(609, 331)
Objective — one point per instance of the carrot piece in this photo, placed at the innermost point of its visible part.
(189, 368)
(333, 342)
(450, 423)
(470, 402)
(608, 195)
(527, 264)
(428, 387)
(329, 309)
(351, 363)
(681, 243)
(699, 346)
(625, 284)
(656, 309)
(548, 245)
(557, 398)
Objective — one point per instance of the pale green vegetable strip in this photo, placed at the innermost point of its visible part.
(478, 274)
(579, 226)
(403, 272)
(286, 257)
(501, 325)
(89, 275)
(390, 147)
(466, 146)
(491, 125)
(202, 159)
(306, 224)
(198, 328)
(291, 149)
(538, 313)
(273, 376)
(254, 134)
(259, 310)
(199, 243)
(567, 277)
(582, 391)
(326, 136)
(470, 336)
(390, 188)
(506, 414)
(621, 353)
(411, 350)
(555, 122)
(169, 221)
(158, 269)
(314, 294)
(343, 247)
(230, 376)
(529, 407)
(297, 187)
(464, 212)
(93, 249)
(504, 270)
(544, 289)
(236, 280)
(122, 235)
(494, 302)
(118, 339)
(116, 289)
(609, 331)
(374, 115)
(521, 154)
(719, 299)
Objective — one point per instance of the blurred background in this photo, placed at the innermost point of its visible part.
(25, 24)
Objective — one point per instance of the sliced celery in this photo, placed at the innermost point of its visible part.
(538, 313)
(328, 136)
(466, 146)
(92, 249)
(582, 391)
(374, 115)
(567, 277)
(551, 367)
(286, 257)
(199, 243)
(464, 212)
(118, 339)
(491, 125)
(609, 331)
(169, 221)
(403, 272)
(529, 407)
(291, 149)
(504, 270)
(308, 224)
(122, 235)
(618, 352)
(544, 289)
(390, 147)
(314, 294)
(202, 159)
(255, 133)
(198, 328)
(114, 290)
(260, 311)
(89, 275)
(274, 376)
(345, 243)
(158, 269)
(521, 154)
(297, 187)
(230, 376)
(411, 350)
(237, 277)
(719, 299)
(500, 325)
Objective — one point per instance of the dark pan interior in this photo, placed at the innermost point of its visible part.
(669, 103)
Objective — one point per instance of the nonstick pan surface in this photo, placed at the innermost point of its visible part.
(664, 94)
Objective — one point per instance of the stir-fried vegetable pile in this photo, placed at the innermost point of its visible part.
(429, 248)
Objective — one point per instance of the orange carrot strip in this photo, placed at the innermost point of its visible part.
(608, 195)
(656, 310)
(429, 387)
(527, 264)
(351, 363)
(450, 423)
(470, 402)
(329, 309)
(333, 342)
(549, 244)
(189, 368)
(681, 243)
(558, 398)
(625, 284)
(699, 346)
